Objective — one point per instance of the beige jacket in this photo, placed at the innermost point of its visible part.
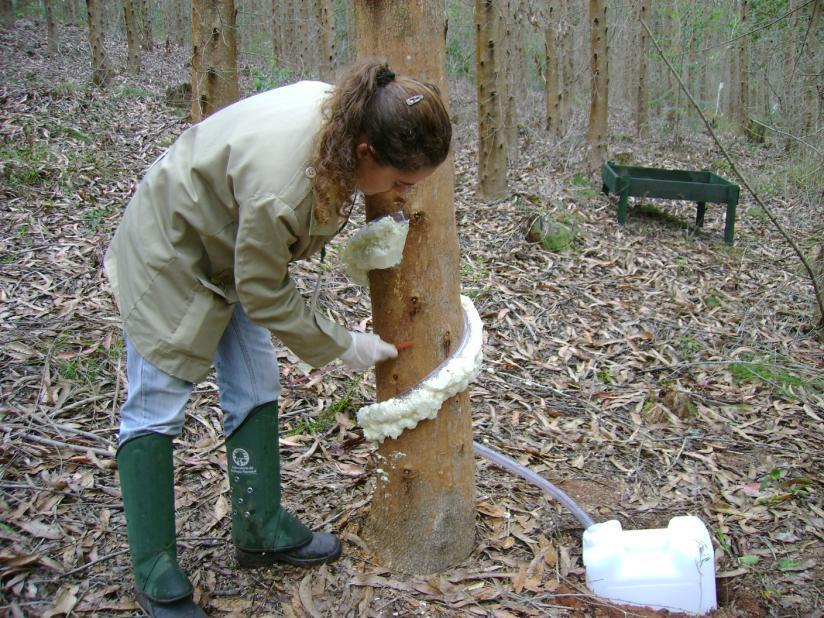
(216, 220)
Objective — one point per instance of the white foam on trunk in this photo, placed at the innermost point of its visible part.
(389, 418)
(379, 244)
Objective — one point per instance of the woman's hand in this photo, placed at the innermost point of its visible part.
(365, 350)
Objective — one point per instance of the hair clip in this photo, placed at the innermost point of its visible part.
(415, 98)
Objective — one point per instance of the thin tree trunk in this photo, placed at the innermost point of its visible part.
(214, 56)
(552, 75)
(180, 20)
(7, 14)
(514, 88)
(325, 17)
(565, 41)
(813, 92)
(146, 16)
(641, 96)
(599, 97)
(101, 72)
(51, 28)
(305, 40)
(133, 46)
(743, 68)
(422, 518)
(490, 28)
(277, 28)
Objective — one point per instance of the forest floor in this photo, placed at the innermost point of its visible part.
(650, 371)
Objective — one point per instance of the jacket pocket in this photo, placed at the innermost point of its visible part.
(229, 295)
(202, 325)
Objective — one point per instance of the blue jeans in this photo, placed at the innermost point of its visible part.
(247, 376)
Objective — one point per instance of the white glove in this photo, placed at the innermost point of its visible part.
(365, 350)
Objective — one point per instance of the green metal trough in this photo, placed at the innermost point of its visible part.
(698, 186)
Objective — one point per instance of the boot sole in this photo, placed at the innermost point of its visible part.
(184, 607)
(254, 560)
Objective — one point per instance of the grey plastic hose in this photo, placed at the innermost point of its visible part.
(525, 473)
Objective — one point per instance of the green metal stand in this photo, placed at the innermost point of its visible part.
(699, 186)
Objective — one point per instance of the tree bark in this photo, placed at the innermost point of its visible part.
(565, 43)
(180, 20)
(214, 57)
(101, 71)
(325, 17)
(146, 16)
(7, 14)
(743, 69)
(51, 28)
(491, 83)
(306, 39)
(422, 518)
(813, 91)
(552, 74)
(513, 88)
(641, 96)
(277, 34)
(599, 97)
(133, 46)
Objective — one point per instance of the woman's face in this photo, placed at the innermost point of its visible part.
(373, 179)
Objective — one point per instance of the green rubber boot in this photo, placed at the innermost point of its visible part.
(262, 531)
(147, 486)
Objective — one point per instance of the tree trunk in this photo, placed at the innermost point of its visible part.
(288, 32)
(277, 34)
(599, 97)
(7, 14)
(490, 28)
(643, 47)
(743, 68)
(510, 41)
(306, 39)
(551, 73)
(813, 91)
(180, 20)
(325, 17)
(422, 518)
(146, 17)
(51, 28)
(101, 72)
(565, 43)
(133, 58)
(214, 56)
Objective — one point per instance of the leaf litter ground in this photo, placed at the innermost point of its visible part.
(650, 371)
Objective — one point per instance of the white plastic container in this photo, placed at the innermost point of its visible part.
(665, 568)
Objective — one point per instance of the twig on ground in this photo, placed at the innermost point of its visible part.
(75, 447)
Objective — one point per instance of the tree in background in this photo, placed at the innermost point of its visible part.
(214, 56)
(491, 88)
(599, 97)
(7, 14)
(422, 517)
(132, 44)
(552, 71)
(146, 20)
(812, 59)
(101, 71)
(641, 95)
(325, 16)
(51, 28)
(742, 64)
(565, 48)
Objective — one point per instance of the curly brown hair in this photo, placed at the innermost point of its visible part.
(404, 121)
